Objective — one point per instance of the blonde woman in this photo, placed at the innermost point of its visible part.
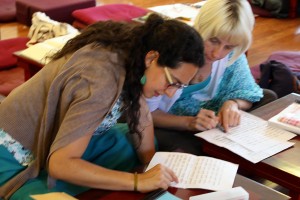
(221, 88)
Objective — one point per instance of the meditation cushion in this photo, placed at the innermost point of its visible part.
(7, 48)
(11, 75)
(289, 58)
(115, 12)
(10, 79)
(7, 10)
(60, 11)
(260, 11)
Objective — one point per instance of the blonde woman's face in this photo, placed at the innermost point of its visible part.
(217, 48)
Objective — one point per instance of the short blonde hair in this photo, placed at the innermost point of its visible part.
(229, 19)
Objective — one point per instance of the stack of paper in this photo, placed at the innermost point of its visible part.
(288, 119)
(179, 11)
(254, 139)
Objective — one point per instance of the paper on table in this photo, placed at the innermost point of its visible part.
(237, 193)
(197, 171)
(53, 196)
(217, 137)
(177, 11)
(292, 112)
(256, 135)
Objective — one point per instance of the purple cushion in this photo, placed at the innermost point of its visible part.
(260, 11)
(7, 48)
(7, 10)
(56, 9)
(116, 12)
(289, 58)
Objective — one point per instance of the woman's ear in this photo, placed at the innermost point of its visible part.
(150, 56)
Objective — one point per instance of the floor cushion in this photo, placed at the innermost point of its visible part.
(11, 75)
(115, 12)
(60, 11)
(10, 79)
(289, 58)
(7, 10)
(7, 48)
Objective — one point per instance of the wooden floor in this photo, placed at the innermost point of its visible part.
(269, 34)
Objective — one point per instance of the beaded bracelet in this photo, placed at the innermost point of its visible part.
(135, 181)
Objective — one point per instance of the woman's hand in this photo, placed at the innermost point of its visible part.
(229, 114)
(205, 120)
(157, 177)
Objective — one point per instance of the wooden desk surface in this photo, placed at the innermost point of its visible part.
(256, 191)
(282, 168)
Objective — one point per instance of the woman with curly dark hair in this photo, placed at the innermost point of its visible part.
(60, 126)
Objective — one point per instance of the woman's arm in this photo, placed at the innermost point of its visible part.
(206, 119)
(66, 164)
(145, 147)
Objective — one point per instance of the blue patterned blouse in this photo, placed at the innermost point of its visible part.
(236, 82)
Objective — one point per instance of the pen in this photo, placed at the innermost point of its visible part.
(297, 101)
(221, 128)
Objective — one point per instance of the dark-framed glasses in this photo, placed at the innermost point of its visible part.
(170, 80)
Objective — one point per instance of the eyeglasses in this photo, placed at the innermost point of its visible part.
(171, 83)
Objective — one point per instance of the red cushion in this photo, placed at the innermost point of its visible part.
(116, 12)
(7, 48)
(7, 10)
(10, 79)
(58, 10)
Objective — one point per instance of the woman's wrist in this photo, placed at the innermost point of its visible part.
(235, 101)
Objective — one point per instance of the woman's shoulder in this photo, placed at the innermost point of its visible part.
(93, 52)
(95, 59)
(240, 63)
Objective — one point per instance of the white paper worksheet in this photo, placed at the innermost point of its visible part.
(197, 171)
(254, 139)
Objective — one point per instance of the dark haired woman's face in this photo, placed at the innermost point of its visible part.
(164, 80)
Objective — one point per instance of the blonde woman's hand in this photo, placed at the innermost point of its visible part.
(229, 114)
(157, 177)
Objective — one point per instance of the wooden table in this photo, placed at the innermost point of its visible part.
(256, 191)
(30, 66)
(282, 168)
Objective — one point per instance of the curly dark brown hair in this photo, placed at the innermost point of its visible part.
(175, 41)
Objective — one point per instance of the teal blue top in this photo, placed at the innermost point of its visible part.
(195, 87)
(236, 82)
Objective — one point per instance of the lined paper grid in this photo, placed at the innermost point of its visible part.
(254, 139)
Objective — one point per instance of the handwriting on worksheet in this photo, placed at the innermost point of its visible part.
(256, 135)
(197, 171)
(254, 139)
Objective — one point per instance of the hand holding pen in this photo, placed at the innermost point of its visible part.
(205, 120)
